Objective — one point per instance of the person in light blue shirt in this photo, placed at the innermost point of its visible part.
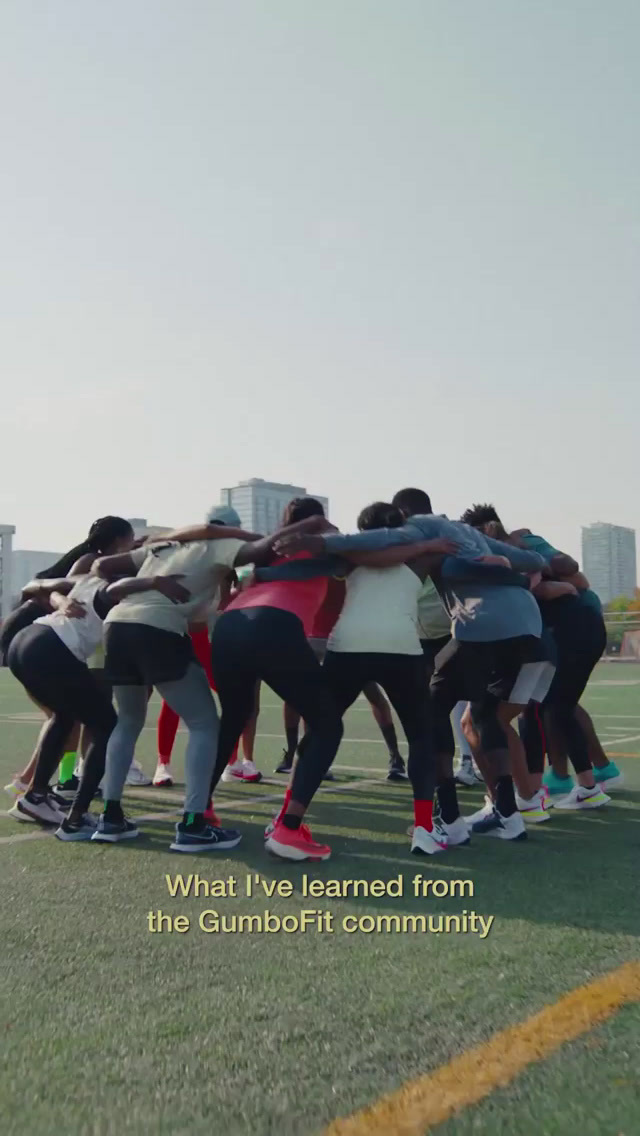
(572, 613)
(494, 659)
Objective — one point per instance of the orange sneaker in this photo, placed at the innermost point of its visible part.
(296, 844)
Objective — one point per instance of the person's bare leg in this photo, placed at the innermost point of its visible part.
(473, 741)
(556, 748)
(597, 756)
(522, 779)
(249, 733)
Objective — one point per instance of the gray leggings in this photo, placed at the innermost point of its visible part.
(190, 697)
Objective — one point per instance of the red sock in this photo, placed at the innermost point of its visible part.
(423, 814)
(167, 728)
(234, 756)
(287, 798)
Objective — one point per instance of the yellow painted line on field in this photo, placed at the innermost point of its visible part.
(431, 1099)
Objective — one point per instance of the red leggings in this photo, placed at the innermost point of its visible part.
(168, 719)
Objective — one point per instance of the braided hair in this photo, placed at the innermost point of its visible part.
(102, 534)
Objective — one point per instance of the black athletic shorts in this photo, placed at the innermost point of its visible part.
(509, 670)
(431, 648)
(139, 655)
(23, 616)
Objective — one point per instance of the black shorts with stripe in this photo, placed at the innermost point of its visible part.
(139, 655)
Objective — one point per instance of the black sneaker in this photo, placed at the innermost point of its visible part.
(397, 770)
(204, 838)
(286, 765)
(328, 776)
(67, 789)
(82, 829)
(62, 803)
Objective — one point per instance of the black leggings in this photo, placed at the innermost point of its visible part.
(403, 679)
(580, 644)
(56, 679)
(269, 644)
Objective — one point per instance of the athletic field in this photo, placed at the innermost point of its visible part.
(109, 1028)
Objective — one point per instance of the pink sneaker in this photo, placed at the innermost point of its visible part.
(296, 844)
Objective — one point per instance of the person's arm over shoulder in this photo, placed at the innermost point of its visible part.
(373, 540)
(559, 563)
(458, 569)
(522, 559)
(303, 569)
(124, 564)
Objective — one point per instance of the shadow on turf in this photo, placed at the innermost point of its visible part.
(577, 870)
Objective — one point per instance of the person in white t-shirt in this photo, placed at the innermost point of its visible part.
(50, 659)
(147, 645)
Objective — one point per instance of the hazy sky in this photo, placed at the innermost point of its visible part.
(353, 244)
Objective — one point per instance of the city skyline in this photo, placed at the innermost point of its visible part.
(225, 496)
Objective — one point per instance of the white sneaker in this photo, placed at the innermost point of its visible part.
(505, 828)
(533, 809)
(581, 798)
(482, 813)
(465, 774)
(457, 832)
(428, 843)
(137, 776)
(250, 772)
(163, 777)
(241, 771)
(34, 806)
(16, 787)
(232, 772)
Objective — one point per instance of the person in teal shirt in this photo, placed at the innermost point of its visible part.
(574, 617)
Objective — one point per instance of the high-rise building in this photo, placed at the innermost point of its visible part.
(6, 549)
(609, 560)
(260, 504)
(25, 565)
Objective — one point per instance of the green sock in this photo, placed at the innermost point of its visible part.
(67, 766)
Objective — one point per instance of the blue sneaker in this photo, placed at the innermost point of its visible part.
(609, 777)
(111, 832)
(557, 785)
(207, 838)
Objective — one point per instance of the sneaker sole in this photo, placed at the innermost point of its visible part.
(74, 837)
(163, 784)
(114, 838)
(418, 850)
(584, 806)
(19, 812)
(399, 778)
(500, 835)
(219, 847)
(534, 816)
(286, 852)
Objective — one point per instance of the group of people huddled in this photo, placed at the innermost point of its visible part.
(462, 625)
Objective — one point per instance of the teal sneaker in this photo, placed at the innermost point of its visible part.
(557, 785)
(609, 777)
